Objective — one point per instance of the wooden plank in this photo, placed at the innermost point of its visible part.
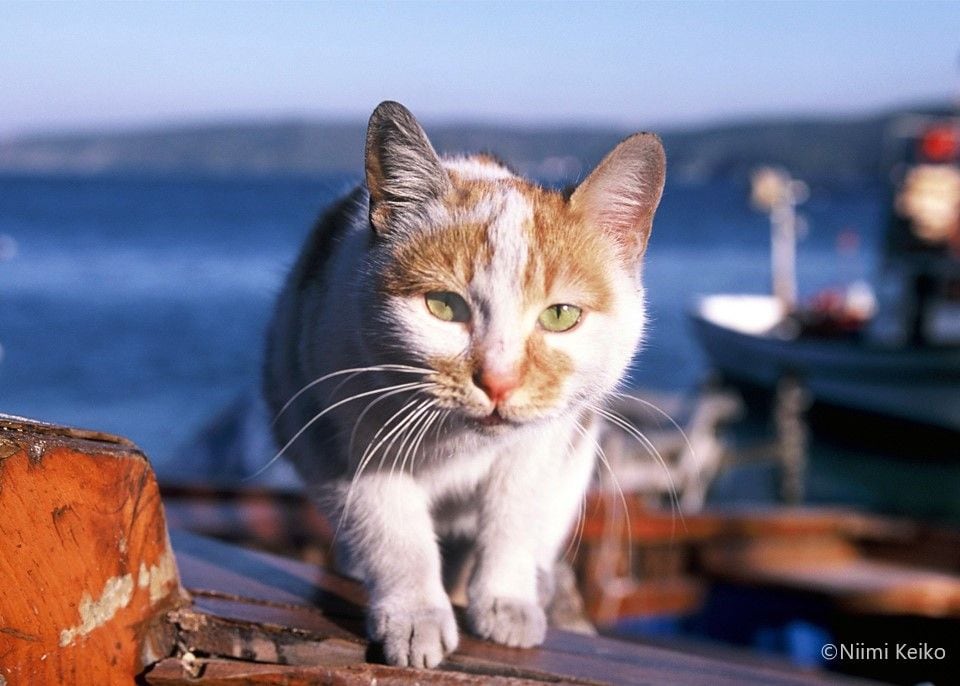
(852, 582)
(88, 572)
(819, 551)
(300, 614)
(208, 566)
(671, 558)
(231, 673)
(646, 525)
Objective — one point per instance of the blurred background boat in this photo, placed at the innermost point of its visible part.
(896, 353)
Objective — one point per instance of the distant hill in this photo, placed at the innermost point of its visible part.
(841, 149)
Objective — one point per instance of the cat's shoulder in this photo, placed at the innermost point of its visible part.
(343, 216)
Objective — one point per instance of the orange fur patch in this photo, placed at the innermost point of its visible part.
(437, 261)
(446, 259)
(564, 250)
(543, 371)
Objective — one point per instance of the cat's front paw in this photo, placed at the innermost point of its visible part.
(414, 637)
(512, 622)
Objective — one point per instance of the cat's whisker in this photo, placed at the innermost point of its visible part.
(395, 433)
(419, 440)
(438, 426)
(340, 385)
(409, 438)
(630, 429)
(367, 457)
(573, 546)
(664, 414)
(360, 417)
(401, 368)
(404, 437)
(319, 415)
(444, 415)
(602, 456)
(576, 540)
(408, 433)
(370, 451)
(683, 435)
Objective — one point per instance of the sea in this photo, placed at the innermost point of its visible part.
(137, 305)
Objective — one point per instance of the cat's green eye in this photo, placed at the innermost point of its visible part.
(448, 306)
(559, 318)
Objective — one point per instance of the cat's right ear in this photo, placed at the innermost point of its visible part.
(403, 170)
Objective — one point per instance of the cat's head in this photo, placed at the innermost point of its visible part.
(526, 302)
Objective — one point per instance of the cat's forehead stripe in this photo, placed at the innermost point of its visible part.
(507, 236)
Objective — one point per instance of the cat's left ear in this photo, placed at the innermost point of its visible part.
(621, 195)
(403, 170)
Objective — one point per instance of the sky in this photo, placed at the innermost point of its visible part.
(82, 66)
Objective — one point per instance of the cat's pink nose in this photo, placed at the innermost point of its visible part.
(497, 384)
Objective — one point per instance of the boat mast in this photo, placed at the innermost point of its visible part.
(775, 192)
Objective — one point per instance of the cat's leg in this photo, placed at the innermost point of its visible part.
(528, 507)
(391, 541)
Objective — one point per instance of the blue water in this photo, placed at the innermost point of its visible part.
(137, 306)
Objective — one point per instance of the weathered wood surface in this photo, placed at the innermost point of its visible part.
(86, 570)
(231, 673)
(858, 563)
(282, 621)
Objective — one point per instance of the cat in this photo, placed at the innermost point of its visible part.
(434, 360)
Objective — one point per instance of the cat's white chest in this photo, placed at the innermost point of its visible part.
(458, 470)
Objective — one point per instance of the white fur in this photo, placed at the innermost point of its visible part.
(503, 329)
(473, 168)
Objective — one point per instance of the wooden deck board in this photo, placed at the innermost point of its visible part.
(269, 609)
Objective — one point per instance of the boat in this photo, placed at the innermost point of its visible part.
(891, 350)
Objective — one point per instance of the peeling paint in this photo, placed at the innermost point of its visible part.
(191, 664)
(7, 448)
(35, 452)
(188, 620)
(117, 592)
(158, 577)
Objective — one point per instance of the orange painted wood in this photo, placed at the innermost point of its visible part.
(86, 568)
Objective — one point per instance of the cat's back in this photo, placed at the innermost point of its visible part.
(340, 221)
(330, 252)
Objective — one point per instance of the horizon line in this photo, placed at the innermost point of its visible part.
(198, 122)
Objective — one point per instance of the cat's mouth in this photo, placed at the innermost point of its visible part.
(493, 419)
(503, 419)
